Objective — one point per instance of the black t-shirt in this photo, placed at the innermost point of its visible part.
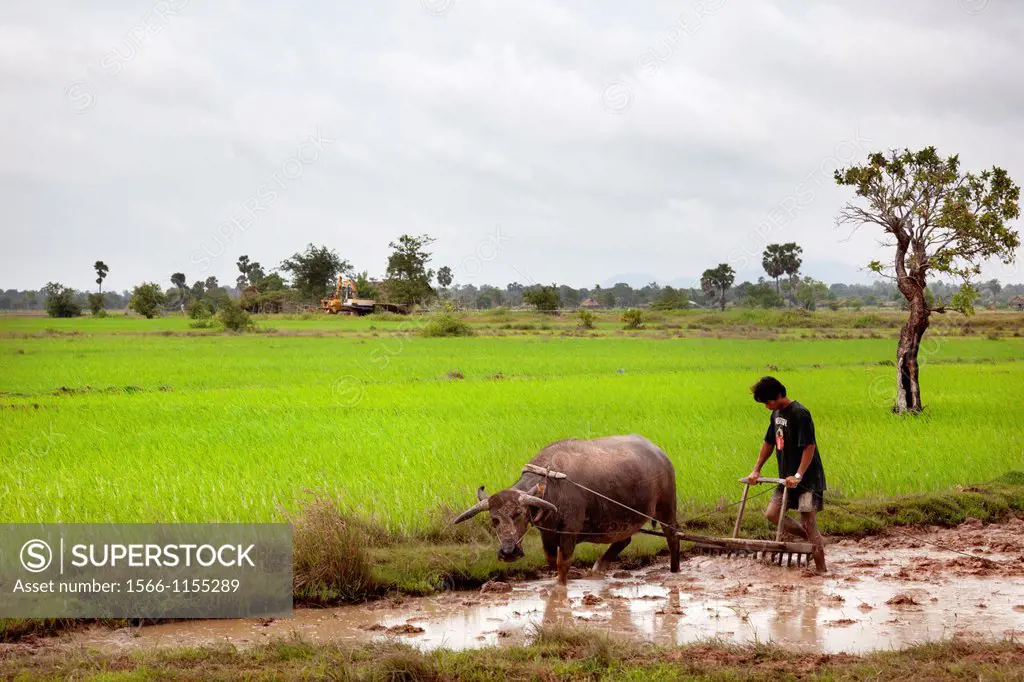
(791, 430)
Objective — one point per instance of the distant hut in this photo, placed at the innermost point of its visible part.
(589, 304)
(1018, 303)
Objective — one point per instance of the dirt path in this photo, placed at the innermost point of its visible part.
(882, 592)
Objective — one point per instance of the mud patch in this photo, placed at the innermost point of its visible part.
(880, 593)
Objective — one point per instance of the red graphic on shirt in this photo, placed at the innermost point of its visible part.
(780, 440)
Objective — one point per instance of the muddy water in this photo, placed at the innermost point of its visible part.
(884, 592)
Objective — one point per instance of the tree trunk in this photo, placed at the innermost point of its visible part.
(908, 388)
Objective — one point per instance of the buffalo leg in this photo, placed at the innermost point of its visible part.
(610, 555)
(566, 547)
(550, 542)
(667, 518)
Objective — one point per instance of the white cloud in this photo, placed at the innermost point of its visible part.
(488, 115)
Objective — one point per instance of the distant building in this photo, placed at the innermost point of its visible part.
(1018, 303)
(589, 303)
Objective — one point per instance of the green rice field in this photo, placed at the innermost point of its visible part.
(126, 419)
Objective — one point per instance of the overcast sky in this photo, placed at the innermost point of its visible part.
(574, 143)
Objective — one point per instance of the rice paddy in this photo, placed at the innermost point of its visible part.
(133, 420)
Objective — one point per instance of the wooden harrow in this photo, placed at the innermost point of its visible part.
(773, 551)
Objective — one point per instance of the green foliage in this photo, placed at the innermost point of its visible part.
(197, 290)
(235, 318)
(444, 277)
(715, 283)
(586, 319)
(270, 283)
(271, 302)
(567, 296)
(147, 298)
(964, 299)
(364, 289)
(252, 275)
(672, 299)
(314, 272)
(199, 309)
(781, 259)
(101, 273)
(966, 220)
(446, 324)
(96, 305)
(408, 278)
(60, 300)
(810, 292)
(543, 298)
(633, 318)
(939, 219)
(484, 301)
(178, 295)
(760, 295)
(216, 297)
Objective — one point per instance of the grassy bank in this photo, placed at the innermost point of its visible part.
(554, 654)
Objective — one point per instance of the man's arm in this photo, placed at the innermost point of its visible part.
(762, 457)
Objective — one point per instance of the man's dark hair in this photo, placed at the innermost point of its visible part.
(768, 388)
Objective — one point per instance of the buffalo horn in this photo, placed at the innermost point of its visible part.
(475, 509)
(528, 500)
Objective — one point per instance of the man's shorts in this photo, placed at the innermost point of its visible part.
(799, 499)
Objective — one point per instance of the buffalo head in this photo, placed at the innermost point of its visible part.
(510, 510)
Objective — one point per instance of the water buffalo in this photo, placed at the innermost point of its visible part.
(628, 469)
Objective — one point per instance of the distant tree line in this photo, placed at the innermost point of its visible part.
(307, 276)
(804, 293)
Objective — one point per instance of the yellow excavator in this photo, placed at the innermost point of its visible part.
(344, 301)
